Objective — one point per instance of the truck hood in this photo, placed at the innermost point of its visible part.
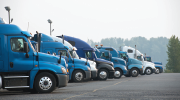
(116, 60)
(50, 59)
(102, 61)
(92, 63)
(79, 61)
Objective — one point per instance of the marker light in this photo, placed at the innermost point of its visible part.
(101, 45)
(96, 45)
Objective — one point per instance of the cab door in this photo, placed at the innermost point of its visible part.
(18, 62)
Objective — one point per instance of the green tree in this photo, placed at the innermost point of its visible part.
(173, 64)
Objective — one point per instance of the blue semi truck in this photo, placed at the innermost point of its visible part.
(79, 70)
(21, 67)
(119, 64)
(158, 65)
(134, 66)
(84, 50)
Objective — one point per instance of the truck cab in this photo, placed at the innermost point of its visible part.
(148, 67)
(134, 66)
(84, 50)
(21, 67)
(79, 70)
(158, 65)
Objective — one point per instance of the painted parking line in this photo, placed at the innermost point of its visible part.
(95, 90)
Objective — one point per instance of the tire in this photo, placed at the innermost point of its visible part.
(157, 71)
(117, 74)
(78, 76)
(45, 82)
(134, 72)
(148, 71)
(103, 74)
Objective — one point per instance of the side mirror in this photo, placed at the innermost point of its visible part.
(94, 59)
(86, 61)
(26, 49)
(59, 61)
(11, 20)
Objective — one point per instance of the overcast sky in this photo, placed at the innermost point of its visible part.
(96, 19)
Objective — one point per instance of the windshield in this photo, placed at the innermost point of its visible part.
(148, 59)
(74, 54)
(105, 54)
(121, 55)
(140, 58)
(31, 45)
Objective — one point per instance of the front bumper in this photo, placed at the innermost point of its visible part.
(126, 72)
(94, 74)
(153, 70)
(111, 74)
(88, 75)
(141, 71)
(62, 80)
(161, 70)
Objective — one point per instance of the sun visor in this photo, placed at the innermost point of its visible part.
(26, 33)
(89, 49)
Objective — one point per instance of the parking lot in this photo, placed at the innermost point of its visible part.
(161, 86)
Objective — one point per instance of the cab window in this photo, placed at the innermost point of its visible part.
(105, 54)
(130, 51)
(17, 44)
(88, 54)
(64, 53)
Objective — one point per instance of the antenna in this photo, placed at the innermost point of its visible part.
(28, 26)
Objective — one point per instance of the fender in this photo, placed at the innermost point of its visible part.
(77, 66)
(159, 66)
(56, 68)
(122, 67)
(33, 74)
(105, 66)
(135, 65)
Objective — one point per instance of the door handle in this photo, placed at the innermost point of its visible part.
(11, 64)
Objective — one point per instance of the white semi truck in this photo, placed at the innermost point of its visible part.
(148, 67)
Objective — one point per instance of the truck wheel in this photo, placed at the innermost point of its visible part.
(148, 71)
(45, 82)
(78, 76)
(103, 74)
(117, 74)
(157, 71)
(134, 72)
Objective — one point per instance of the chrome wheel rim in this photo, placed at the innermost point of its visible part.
(45, 83)
(117, 73)
(103, 74)
(134, 72)
(157, 70)
(148, 71)
(79, 76)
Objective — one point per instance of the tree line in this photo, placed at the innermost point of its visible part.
(154, 47)
(173, 61)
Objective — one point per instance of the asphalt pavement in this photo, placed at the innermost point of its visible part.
(147, 87)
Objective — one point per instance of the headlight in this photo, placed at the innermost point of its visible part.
(125, 68)
(89, 69)
(63, 70)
